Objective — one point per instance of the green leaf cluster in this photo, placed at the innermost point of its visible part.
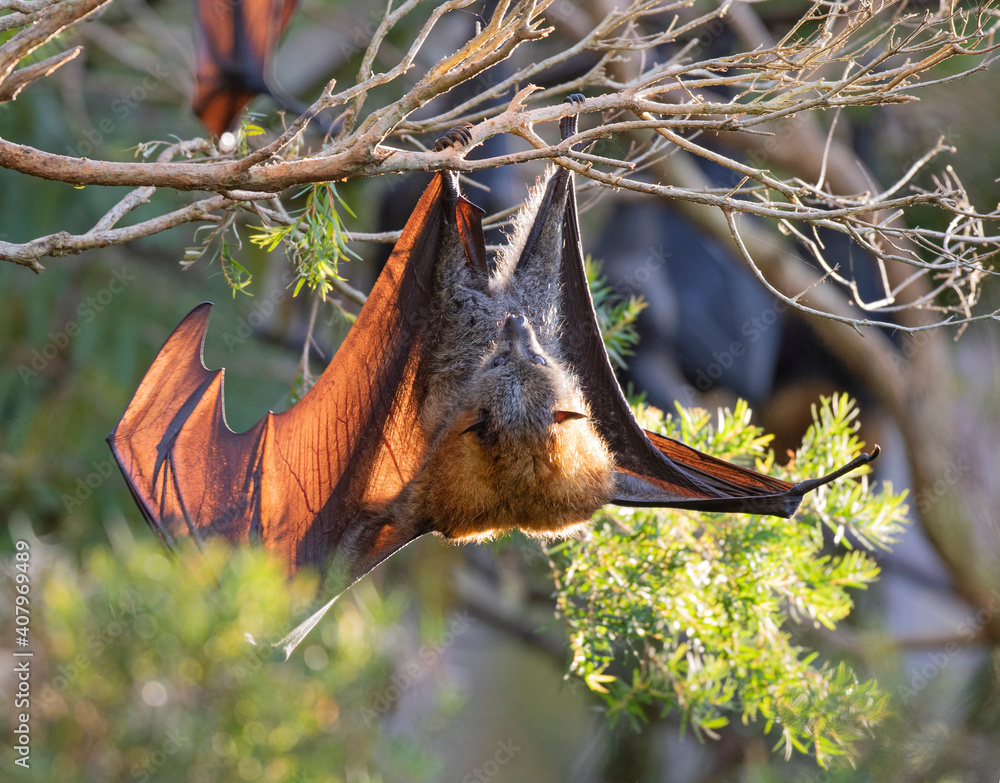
(616, 317)
(703, 614)
(217, 243)
(146, 672)
(314, 238)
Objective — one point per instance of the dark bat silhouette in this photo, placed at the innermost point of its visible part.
(463, 402)
(234, 43)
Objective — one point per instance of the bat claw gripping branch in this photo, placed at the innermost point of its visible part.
(567, 125)
(459, 136)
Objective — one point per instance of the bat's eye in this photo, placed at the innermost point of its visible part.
(539, 360)
(500, 361)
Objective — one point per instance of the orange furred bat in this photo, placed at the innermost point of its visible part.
(466, 401)
(234, 43)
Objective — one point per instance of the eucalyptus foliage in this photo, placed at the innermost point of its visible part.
(314, 238)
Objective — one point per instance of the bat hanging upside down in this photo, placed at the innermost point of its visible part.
(235, 41)
(465, 401)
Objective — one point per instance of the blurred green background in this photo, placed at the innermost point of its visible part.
(143, 673)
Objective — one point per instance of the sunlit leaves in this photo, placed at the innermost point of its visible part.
(703, 614)
(314, 239)
(147, 674)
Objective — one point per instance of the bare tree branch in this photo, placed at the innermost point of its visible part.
(41, 26)
(838, 55)
(22, 77)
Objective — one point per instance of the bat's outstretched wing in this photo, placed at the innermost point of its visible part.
(317, 479)
(651, 470)
(234, 41)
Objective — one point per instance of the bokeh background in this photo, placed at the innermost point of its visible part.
(409, 678)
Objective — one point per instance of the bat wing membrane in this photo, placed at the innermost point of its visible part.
(353, 443)
(234, 41)
(303, 482)
(651, 470)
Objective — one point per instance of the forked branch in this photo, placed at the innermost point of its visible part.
(840, 54)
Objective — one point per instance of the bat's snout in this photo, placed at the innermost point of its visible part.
(516, 329)
(519, 339)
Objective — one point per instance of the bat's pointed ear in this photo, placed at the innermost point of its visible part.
(477, 426)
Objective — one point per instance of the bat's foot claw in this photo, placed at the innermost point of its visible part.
(459, 136)
(567, 125)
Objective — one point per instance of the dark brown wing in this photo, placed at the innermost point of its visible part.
(652, 470)
(234, 41)
(317, 479)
